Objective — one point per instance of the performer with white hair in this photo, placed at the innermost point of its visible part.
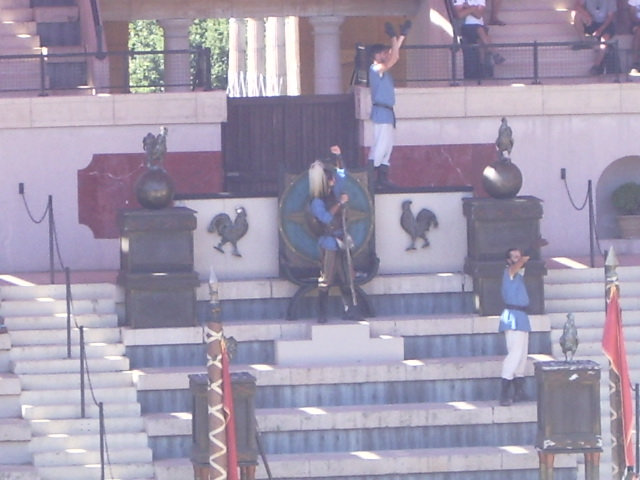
(328, 200)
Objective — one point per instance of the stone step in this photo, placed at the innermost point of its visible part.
(527, 32)
(56, 443)
(593, 319)
(54, 381)
(137, 471)
(9, 384)
(79, 291)
(594, 334)
(67, 13)
(370, 464)
(14, 430)
(587, 275)
(13, 308)
(588, 290)
(69, 365)
(86, 426)
(19, 472)
(52, 337)
(566, 305)
(16, 15)
(62, 397)
(60, 412)
(15, 453)
(54, 352)
(15, 4)
(17, 28)
(526, 5)
(59, 321)
(513, 17)
(10, 406)
(81, 456)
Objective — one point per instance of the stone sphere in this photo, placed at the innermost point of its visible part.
(502, 179)
(154, 189)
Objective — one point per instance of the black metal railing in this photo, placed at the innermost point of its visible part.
(427, 65)
(531, 63)
(103, 72)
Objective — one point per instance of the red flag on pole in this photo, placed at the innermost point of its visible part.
(614, 348)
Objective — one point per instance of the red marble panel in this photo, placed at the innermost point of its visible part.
(106, 185)
(415, 166)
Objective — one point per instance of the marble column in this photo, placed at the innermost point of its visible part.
(177, 71)
(255, 56)
(237, 56)
(275, 58)
(292, 54)
(327, 68)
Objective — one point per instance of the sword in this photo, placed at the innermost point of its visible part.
(347, 248)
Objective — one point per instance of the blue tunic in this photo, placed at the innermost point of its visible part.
(321, 212)
(383, 96)
(514, 292)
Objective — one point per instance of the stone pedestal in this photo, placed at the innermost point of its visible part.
(156, 267)
(494, 226)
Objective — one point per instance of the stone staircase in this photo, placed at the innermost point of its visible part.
(50, 27)
(544, 21)
(44, 403)
(326, 413)
(581, 291)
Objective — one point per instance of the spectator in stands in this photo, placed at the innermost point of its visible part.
(634, 16)
(473, 27)
(495, 9)
(594, 19)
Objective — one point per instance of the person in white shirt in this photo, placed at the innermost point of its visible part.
(634, 17)
(473, 29)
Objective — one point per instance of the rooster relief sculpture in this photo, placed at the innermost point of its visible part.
(418, 226)
(230, 232)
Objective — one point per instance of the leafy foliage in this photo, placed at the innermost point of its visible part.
(146, 71)
(626, 199)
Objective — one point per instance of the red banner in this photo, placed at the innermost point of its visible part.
(614, 348)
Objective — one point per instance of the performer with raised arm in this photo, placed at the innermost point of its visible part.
(328, 201)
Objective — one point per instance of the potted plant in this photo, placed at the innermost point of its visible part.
(626, 201)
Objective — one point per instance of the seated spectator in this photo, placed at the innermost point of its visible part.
(473, 28)
(594, 19)
(634, 16)
(495, 9)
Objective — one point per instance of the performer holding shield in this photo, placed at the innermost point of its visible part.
(328, 201)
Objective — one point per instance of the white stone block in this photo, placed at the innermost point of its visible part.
(336, 344)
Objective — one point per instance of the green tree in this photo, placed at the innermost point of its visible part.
(213, 33)
(146, 71)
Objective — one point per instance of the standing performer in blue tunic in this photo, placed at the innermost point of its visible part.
(383, 99)
(328, 201)
(514, 322)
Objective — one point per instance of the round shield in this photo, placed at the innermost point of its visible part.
(299, 242)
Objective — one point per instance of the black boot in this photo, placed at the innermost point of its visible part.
(506, 397)
(519, 394)
(323, 299)
(383, 182)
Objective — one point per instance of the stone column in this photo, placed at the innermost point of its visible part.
(237, 56)
(275, 59)
(327, 69)
(177, 72)
(292, 55)
(255, 55)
